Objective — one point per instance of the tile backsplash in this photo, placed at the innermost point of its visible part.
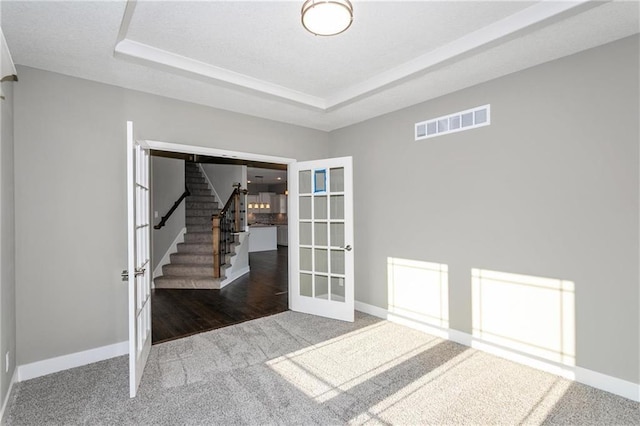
(275, 218)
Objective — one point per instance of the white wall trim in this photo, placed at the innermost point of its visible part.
(65, 362)
(161, 59)
(608, 383)
(371, 310)
(173, 248)
(234, 276)
(14, 379)
(211, 187)
(215, 152)
(588, 377)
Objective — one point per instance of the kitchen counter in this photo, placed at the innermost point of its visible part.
(262, 237)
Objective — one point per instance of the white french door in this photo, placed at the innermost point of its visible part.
(139, 268)
(321, 201)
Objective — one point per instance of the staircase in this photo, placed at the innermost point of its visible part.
(192, 266)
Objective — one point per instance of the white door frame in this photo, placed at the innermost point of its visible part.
(239, 155)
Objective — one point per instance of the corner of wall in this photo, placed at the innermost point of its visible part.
(5, 400)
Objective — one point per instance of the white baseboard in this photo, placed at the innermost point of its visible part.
(588, 377)
(234, 276)
(173, 248)
(65, 362)
(608, 383)
(14, 380)
(371, 310)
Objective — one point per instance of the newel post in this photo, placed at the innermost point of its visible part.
(236, 201)
(216, 247)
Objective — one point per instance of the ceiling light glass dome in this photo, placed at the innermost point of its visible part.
(327, 17)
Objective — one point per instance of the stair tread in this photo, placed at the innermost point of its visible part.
(180, 277)
(190, 265)
(192, 282)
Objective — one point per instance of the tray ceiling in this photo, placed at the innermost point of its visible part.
(256, 58)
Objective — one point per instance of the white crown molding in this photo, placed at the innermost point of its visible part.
(153, 56)
(7, 67)
(489, 34)
(144, 53)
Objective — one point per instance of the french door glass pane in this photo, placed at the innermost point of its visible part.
(337, 207)
(337, 234)
(320, 180)
(320, 207)
(321, 234)
(336, 177)
(305, 208)
(337, 261)
(322, 264)
(337, 289)
(305, 181)
(305, 233)
(322, 287)
(306, 286)
(305, 259)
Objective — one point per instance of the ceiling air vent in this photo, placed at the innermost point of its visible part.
(456, 122)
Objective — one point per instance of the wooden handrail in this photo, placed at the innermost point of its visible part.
(164, 219)
(219, 234)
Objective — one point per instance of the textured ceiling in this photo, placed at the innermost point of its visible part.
(255, 57)
(266, 41)
(266, 176)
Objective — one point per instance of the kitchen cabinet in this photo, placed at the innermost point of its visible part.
(262, 238)
(252, 204)
(279, 203)
(261, 199)
(283, 235)
(264, 198)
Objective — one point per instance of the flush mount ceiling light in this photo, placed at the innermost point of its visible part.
(327, 17)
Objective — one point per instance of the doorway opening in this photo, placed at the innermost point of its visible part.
(263, 290)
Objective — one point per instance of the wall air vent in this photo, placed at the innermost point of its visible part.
(456, 122)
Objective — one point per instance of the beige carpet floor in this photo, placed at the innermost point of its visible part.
(299, 369)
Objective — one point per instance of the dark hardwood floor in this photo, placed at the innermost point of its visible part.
(262, 292)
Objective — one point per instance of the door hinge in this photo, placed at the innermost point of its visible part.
(125, 274)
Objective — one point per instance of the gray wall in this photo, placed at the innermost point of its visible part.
(550, 189)
(7, 242)
(223, 176)
(167, 186)
(70, 181)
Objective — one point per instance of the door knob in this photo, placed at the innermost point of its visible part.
(346, 248)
